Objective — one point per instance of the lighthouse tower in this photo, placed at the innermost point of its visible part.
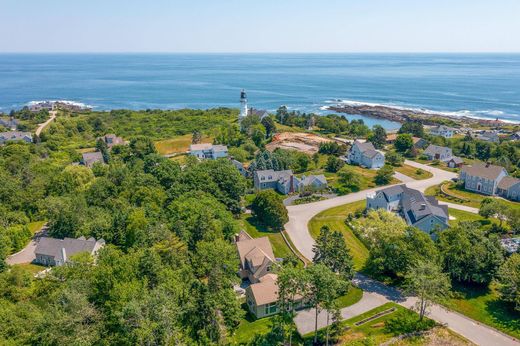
(243, 105)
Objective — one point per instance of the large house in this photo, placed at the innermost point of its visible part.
(435, 152)
(56, 252)
(111, 140)
(423, 212)
(281, 181)
(490, 180)
(208, 151)
(443, 131)
(89, 159)
(256, 265)
(364, 154)
(15, 136)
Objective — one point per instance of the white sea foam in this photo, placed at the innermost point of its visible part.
(67, 102)
(484, 114)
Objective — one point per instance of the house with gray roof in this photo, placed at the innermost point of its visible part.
(455, 162)
(311, 182)
(208, 151)
(422, 212)
(488, 136)
(482, 177)
(281, 181)
(111, 140)
(9, 123)
(57, 252)
(261, 113)
(15, 136)
(443, 131)
(435, 152)
(364, 154)
(509, 188)
(89, 159)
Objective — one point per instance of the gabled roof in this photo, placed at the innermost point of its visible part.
(15, 135)
(417, 206)
(272, 175)
(90, 158)
(435, 149)
(371, 153)
(309, 180)
(53, 247)
(456, 159)
(363, 147)
(391, 191)
(265, 291)
(253, 248)
(482, 170)
(508, 182)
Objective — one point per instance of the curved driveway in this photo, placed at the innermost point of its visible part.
(375, 293)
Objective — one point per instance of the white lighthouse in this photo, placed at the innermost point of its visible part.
(243, 105)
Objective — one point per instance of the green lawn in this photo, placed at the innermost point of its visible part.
(461, 215)
(353, 296)
(335, 219)
(30, 267)
(483, 304)
(177, 145)
(257, 230)
(413, 172)
(460, 196)
(249, 327)
(35, 226)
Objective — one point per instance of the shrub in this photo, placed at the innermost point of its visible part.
(405, 322)
(334, 164)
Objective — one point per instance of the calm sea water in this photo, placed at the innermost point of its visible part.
(480, 85)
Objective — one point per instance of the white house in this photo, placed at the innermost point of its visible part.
(435, 152)
(443, 131)
(208, 151)
(364, 154)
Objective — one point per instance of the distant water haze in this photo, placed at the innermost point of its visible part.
(478, 85)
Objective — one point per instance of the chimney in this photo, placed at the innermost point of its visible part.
(423, 206)
(63, 255)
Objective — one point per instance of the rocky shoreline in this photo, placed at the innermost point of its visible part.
(403, 115)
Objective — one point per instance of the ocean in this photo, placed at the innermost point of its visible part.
(477, 85)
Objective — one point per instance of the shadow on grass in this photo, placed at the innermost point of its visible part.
(504, 315)
(260, 227)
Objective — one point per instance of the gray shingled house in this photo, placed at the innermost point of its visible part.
(435, 152)
(89, 159)
(15, 136)
(56, 252)
(281, 181)
(482, 178)
(423, 212)
(364, 154)
(509, 188)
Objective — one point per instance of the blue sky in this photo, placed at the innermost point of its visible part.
(260, 26)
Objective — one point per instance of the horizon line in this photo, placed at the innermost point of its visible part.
(260, 52)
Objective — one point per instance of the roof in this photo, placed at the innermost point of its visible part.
(90, 158)
(15, 135)
(391, 136)
(391, 191)
(52, 246)
(508, 182)
(257, 112)
(208, 146)
(435, 149)
(442, 128)
(309, 180)
(456, 159)
(417, 206)
(363, 147)
(482, 170)
(111, 139)
(371, 153)
(251, 249)
(265, 291)
(272, 175)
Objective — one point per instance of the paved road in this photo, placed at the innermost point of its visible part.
(44, 125)
(26, 255)
(375, 293)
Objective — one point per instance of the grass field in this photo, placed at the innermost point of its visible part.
(353, 296)
(483, 304)
(460, 196)
(335, 219)
(256, 230)
(30, 267)
(35, 226)
(177, 145)
(413, 172)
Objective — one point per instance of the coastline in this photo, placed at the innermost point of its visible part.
(402, 115)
